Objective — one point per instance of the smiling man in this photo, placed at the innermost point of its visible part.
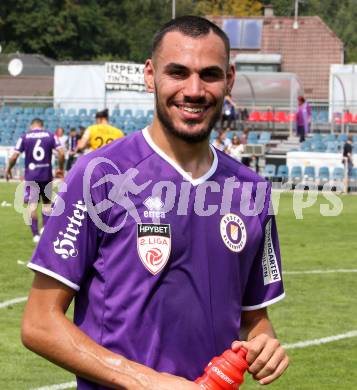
(160, 291)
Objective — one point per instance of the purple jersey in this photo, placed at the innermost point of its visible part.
(37, 145)
(163, 264)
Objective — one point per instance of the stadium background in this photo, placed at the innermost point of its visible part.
(319, 252)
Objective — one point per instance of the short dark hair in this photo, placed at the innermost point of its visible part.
(192, 26)
(102, 114)
(39, 121)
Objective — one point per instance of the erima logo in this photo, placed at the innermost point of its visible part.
(155, 206)
(65, 244)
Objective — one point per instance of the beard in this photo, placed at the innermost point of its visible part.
(182, 134)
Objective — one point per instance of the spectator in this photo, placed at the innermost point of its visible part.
(228, 117)
(303, 118)
(236, 148)
(61, 137)
(100, 134)
(244, 136)
(71, 146)
(221, 142)
(348, 160)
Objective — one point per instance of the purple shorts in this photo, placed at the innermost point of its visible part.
(36, 189)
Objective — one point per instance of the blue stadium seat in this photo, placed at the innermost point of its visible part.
(283, 172)
(128, 113)
(329, 138)
(332, 147)
(6, 110)
(49, 111)
(39, 111)
(338, 174)
(115, 112)
(316, 137)
(17, 110)
(306, 146)
(323, 117)
(309, 173)
(264, 138)
(71, 112)
(252, 137)
(28, 111)
(139, 113)
(150, 113)
(92, 112)
(269, 171)
(342, 137)
(324, 175)
(60, 111)
(315, 116)
(129, 126)
(82, 112)
(318, 147)
(296, 174)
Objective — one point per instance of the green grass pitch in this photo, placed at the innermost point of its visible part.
(316, 305)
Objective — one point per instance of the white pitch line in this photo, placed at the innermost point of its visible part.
(321, 271)
(12, 302)
(324, 340)
(60, 386)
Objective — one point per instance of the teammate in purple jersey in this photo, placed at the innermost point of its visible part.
(37, 144)
(170, 259)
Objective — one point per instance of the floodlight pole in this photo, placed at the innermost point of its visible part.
(296, 23)
(173, 9)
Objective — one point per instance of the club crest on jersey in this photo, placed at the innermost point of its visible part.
(154, 245)
(233, 232)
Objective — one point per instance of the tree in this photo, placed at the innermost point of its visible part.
(229, 7)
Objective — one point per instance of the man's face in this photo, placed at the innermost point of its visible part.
(190, 78)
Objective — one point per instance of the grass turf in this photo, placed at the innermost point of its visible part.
(316, 306)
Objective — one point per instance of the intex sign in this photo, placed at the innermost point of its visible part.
(65, 244)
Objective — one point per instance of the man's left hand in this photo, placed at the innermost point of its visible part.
(267, 359)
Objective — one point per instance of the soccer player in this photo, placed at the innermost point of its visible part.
(160, 244)
(37, 144)
(100, 134)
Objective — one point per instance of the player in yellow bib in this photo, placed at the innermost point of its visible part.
(100, 134)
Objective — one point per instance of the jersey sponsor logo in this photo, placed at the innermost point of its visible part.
(270, 266)
(154, 245)
(33, 166)
(65, 243)
(233, 232)
(154, 206)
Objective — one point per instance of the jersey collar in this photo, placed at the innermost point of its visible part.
(177, 167)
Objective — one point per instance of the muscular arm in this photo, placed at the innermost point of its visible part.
(47, 331)
(60, 157)
(266, 358)
(84, 141)
(11, 164)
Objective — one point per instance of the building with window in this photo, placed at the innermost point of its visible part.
(306, 47)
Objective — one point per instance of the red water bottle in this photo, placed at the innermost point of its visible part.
(224, 372)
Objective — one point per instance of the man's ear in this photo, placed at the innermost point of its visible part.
(149, 75)
(231, 75)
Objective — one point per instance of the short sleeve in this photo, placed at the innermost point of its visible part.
(20, 145)
(265, 284)
(69, 244)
